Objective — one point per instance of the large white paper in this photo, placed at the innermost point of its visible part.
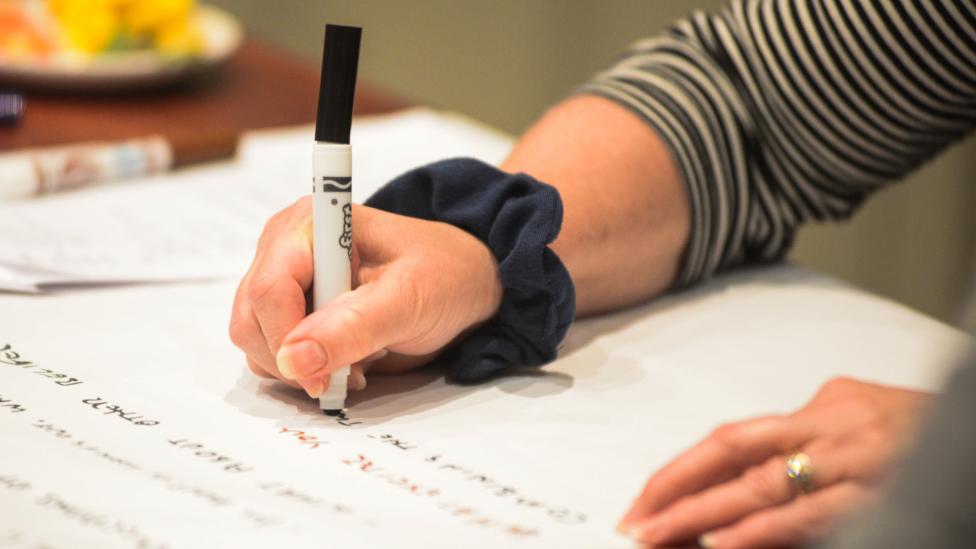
(128, 419)
(202, 223)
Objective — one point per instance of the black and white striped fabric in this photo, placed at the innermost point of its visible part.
(782, 111)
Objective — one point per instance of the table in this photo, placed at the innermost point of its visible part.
(260, 87)
(554, 455)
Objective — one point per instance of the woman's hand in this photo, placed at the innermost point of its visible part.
(417, 285)
(731, 490)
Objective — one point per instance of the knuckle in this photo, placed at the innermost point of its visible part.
(728, 435)
(838, 385)
(355, 326)
(875, 434)
(416, 297)
(753, 531)
(257, 370)
(271, 226)
(302, 205)
(764, 480)
(260, 287)
(281, 219)
(352, 316)
(240, 331)
(871, 436)
(859, 411)
(420, 305)
(812, 518)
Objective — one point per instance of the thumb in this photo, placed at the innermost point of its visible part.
(350, 329)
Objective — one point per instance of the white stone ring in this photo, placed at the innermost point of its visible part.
(799, 469)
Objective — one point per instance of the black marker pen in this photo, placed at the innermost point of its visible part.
(332, 185)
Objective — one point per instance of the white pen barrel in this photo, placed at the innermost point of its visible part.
(332, 241)
(331, 221)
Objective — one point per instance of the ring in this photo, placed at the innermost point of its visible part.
(799, 469)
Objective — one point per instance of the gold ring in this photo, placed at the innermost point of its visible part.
(799, 469)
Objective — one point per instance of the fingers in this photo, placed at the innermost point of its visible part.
(261, 372)
(802, 520)
(755, 491)
(758, 488)
(270, 300)
(724, 454)
(847, 430)
(357, 377)
(348, 330)
(314, 387)
(246, 334)
(277, 285)
(257, 370)
(357, 373)
(278, 305)
(418, 285)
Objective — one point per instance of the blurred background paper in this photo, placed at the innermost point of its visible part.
(203, 223)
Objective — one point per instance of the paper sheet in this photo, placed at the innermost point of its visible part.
(129, 420)
(203, 223)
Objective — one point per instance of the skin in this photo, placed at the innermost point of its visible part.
(401, 312)
(621, 248)
(731, 490)
(626, 219)
(418, 285)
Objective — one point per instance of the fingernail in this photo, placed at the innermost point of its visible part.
(625, 525)
(357, 381)
(301, 359)
(650, 531)
(707, 541)
(314, 387)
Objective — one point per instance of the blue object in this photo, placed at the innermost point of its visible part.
(517, 217)
(11, 108)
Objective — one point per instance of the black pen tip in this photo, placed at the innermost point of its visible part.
(337, 88)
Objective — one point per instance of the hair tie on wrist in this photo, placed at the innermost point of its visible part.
(516, 216)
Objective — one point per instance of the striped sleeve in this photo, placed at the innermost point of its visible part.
(782, 111)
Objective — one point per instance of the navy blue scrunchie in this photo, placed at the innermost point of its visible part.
(516, 217)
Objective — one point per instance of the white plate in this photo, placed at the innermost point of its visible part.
(220, 32)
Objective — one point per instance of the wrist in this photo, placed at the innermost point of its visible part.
(491, 287)
(484, 289)
(521, 291)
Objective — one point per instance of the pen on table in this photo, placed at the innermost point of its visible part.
(332, 186)
(11, 108)
(26, 173)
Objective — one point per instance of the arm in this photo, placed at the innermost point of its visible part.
(626, 216)
(702, 149)
(779, 112)
(714, 142)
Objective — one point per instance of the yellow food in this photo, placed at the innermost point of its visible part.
(20, 37)
(95, 26)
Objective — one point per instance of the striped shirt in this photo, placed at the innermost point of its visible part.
(781, 111)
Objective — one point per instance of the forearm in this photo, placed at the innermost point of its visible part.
(626, 219)
(768, 137)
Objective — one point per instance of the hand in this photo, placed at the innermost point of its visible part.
(417, 285)
(731, 490)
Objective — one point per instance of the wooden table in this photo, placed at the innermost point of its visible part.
(260, 87)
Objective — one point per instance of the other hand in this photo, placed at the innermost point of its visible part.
(417, 285)
(731, 490)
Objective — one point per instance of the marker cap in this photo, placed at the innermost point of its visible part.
(337, 89)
